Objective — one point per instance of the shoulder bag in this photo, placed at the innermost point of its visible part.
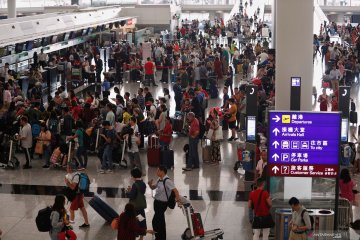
(261, 222)
(139, 201)
(171, 199)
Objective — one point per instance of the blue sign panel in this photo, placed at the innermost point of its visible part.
(304, 144)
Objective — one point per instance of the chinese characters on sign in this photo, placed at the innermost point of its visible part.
(304, 144)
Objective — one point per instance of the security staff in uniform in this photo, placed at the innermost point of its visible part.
(160, 202)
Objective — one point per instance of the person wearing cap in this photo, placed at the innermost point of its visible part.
(72, 179)
(109, 136)
(300, 221)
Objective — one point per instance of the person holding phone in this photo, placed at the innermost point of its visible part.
(109, 136)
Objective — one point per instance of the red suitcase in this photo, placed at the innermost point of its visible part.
(197, 224)
(153, 152)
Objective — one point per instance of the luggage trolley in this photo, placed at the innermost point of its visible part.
(8, 159)
(195, 229)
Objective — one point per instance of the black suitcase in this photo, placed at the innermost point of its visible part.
(225, 125)
(249, 176)
(352, 106)
(353, 117)
(103, 209)
(167, 158)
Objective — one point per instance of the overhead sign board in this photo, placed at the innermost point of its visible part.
(304, 144)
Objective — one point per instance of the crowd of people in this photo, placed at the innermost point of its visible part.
(196, 67)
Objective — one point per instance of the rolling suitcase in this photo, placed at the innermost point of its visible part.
(353, 117)
(153, 152)
(352, 106)
(178, 124)
(206, 152)
(103, 209)
(167, 158)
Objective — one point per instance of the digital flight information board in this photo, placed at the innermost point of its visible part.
(304, 144)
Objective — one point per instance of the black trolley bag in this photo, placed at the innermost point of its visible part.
(103, 209)
(167, 157)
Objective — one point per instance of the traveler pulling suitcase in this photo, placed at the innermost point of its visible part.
(167, 157)
(103, 209)
(153, 152)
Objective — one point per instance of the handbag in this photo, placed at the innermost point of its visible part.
(261, 222)
(139, 202)
(210, 133)
(39, 147)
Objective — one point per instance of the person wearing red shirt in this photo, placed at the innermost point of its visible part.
(76, 110)
(334, 104)
(218, 68)
(149, 72)
(166, 133)
(183, 31)
(127, 225)
(260, 202)
(193, 161)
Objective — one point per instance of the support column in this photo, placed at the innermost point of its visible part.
(294, 51)
(211, 15)
(11, 4)
(273, 26)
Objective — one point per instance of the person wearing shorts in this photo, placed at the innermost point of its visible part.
(232, 120)
(72, 181)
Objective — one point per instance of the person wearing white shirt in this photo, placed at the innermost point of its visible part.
(236, 54)
(262, 57)
(335, 77)
(43, 58)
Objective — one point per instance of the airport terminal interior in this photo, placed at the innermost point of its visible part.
(247, 106)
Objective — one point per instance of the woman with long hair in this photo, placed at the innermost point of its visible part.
(127, 224)
(59, 220)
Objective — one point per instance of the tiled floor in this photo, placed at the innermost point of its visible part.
(217, 192)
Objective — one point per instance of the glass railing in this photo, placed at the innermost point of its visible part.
(208, 2)
(339, 3)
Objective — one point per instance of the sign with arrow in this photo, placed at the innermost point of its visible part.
(302, 143)
(275, 169)
(276, 131)
(276, 118)
(275, 144)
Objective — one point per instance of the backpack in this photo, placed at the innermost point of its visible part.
(43, 222)
(202, 130)
(53, 126)
(84, 183)
(139, 202)
(311, 219)
(347, 151)
(171, 199)
(35, 130)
